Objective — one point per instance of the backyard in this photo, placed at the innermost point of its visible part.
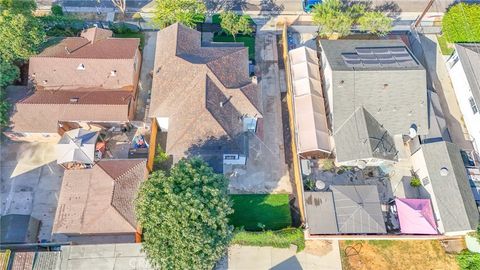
(248, 41)
(385, 254)
(257, 212)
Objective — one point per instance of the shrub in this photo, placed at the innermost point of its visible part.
(468, 260)
(415, 182)
(279, 239)
(57, 10)
(461, 23)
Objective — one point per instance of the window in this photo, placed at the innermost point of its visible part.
(473, 105)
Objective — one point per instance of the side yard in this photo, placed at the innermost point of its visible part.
(385, 254)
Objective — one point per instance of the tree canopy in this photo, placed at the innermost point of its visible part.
(187, 12)
(337, 17)
(184, 216)
(234, 24)
(18, 6)
(461, 23)
(375, 23)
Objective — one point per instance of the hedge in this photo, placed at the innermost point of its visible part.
(461, 23)
(279, 239)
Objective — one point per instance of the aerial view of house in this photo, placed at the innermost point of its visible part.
(216, 135)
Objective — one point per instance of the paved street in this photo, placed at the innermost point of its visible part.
(269, 6)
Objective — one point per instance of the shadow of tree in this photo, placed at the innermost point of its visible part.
(215, 6)
(391, 8)
(270, 7)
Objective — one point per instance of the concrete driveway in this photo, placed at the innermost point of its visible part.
(319, 254)
(145, 83)
(30, 182)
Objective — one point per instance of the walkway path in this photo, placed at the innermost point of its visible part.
(145, 84)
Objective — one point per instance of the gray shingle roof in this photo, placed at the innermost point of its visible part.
(358, 209)
(453, 195)
(469, 54)
(321, 213)
(362, 137)
(395, 96)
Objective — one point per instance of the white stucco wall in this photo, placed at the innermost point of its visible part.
(463, 93)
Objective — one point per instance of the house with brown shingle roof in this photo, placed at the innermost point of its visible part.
(93, 60)
(44, 115)
(203, 97)
(97, 205)
(79, 81)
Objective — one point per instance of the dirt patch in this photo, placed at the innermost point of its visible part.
(392, 255)
(318, 247)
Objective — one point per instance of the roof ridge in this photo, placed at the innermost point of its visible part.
(113, 160)
(140, 161)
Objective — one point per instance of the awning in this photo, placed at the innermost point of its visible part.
(77, 146)
(310, 117)
(416, 216)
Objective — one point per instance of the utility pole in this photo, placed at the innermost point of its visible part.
(419, 19)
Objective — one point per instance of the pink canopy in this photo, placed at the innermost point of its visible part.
(416, 216)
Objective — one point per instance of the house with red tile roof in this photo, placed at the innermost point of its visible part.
(97, 205)
(91, 79)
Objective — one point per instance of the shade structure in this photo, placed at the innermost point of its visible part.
(416, 216)
(309, 105)
(77, 146)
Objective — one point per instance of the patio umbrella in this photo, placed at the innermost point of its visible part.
(77, 146)
(416, 216)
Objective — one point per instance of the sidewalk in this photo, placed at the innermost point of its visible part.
(324, 256)
(145, 83)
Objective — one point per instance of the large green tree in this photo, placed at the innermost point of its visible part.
(333, 18)
(20, 35)
(187, 12)
(184, 216)
(336, 18)
(18, 6)
(375, 23)
(234, 24)
(8, 73)
(461, 23)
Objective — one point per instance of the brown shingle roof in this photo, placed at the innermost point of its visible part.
(41, 112)
(191, 81)
(93, 202)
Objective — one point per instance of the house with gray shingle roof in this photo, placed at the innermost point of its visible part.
(376, 91)
(345, 209)
(440, 167)
(203, 97)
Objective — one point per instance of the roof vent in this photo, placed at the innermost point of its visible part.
(74, 100)
(113, 73)
(444, 171)
(81, 67)
(412, 131)
(45, 81)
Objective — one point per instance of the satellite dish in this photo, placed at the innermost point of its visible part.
(443, 171)
(320, 184)
(361, 164)
(412, 132)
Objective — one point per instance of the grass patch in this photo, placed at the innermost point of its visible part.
(248, 41)
(216, 19)
(442, 42)
(270, 210)
(139, 35)
(279, 239)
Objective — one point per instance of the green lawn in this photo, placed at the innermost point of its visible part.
(279, 239)
(139, 35)
(442, 41)
(248, 41)
(271, 210)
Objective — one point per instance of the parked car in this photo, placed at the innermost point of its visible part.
(309, 4)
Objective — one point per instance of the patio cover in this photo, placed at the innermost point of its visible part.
(77, 145)
(416, 216)
(310, 117)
